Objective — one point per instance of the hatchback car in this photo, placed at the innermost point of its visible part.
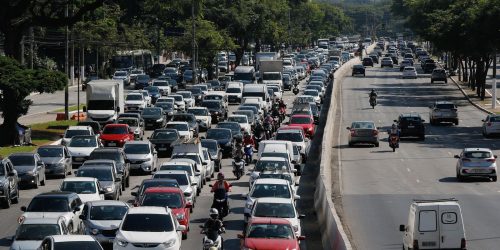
(363, 132)
(224, 138)
(109, 181)
(75, 130)
(81, 146)
(278, 208)
(386, 62)
(367, 61)
(115, 135)
(443, 111)
(182, 128)
(304, 121)
(185, 183)
(134, 124)
(154, 117)
(87, 188)
(56, 242)
(9, 188)
(31, 232)
(476, 162)
(147, 183)
(202, 116)
(30, 169)
(411, 125)
(491, 125)
(409, 72)
(439, 75)
(102, 218)
(270, 233)
(141, 155)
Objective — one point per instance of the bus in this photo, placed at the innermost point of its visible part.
(323, 43)
(132, 59)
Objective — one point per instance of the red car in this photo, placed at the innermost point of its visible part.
(115, 135)
(171, 197)
(269, 233)
(306, 122)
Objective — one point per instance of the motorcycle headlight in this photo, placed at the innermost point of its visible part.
(95, 231)
(122, 243)
(180, 216)
(169, 243)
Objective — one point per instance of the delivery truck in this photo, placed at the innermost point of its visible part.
(105, 100)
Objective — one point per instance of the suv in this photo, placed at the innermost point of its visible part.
(367, 61)
(439, 75)
(411, 124)
(443, 112)
(9, 190)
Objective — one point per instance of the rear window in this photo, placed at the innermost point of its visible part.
(477, 154)
(445, 106)
(427, 221)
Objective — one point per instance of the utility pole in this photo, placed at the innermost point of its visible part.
(66, 62)
(194, 42)
(494, 85)
(22, 50)
(72, 68)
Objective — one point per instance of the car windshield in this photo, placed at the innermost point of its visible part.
(270, 190)
(212, 105)
(185, 94)
(160, 83)
(22, 160)
(181, 178)
(130, 122)
(477, 154)
(148, 223)
(134, 97)
(106, 155)
(211, 146)
(270, 231)
(103, 174)
(233, 90)
(445, 106)
(363, 125)
(108, 212)
(136, 148)
(178, 126)
(165, 135)
(36, 231)
(151, 111)
(48, 204)
(193, 157)
(115, 130)
(158, 183)
(195, 91)
(143, 77)
(79, 187)
(290, 136)
(311, 92)
(83, 142)
(166, 106)
(265, 165)
(177, 167)
(300, 120)
(212, 97)
(218, 134)
(235, 127)
(177, 98)
(136, 72)
(238, 119)
(197, 111)
(81, 245)
(120, 73)
(72, 132)
(276, 176)
(172, 200)
(278, 210)
(152, 90)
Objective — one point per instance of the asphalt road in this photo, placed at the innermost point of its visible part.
(378, 185)
(233, 222)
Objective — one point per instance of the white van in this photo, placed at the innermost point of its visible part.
(434, 224)
(287, 147)
(234, 91)
(257, 90)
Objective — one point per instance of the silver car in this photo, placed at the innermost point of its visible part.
(363, 132)
(476, 162)
(102, 218)
(142, 155)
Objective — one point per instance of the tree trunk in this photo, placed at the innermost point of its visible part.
(12, 48)
(243, 42)
(8, 128)
(466, 71)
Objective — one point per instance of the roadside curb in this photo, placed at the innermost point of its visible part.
(468, 98)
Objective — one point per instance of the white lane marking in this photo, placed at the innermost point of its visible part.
(418, 181)
(402, 159)
(407, 169)
(449, 153)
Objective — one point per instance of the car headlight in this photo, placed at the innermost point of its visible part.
(159, 120)
(169, 243)
(187, 194)
(109, 189)
(122, 243)
(147, 159)
(170, 113)
(95, 231)
(216, 112)
(310, 129)
(1, 191)
(30, 173)
(180, 216)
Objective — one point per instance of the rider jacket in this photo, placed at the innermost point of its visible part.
(238, 152)
(248, 140)
(373, 94)
(213, 227)
(221, 185)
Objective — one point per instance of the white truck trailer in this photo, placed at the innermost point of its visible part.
(105, 100)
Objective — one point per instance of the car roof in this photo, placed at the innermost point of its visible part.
(107, 203)
(105, 161)
(186, 123)
(289, 129)
(30, 220)
(179, 161)
(138, 142)
(78, 128)
(274, 200)
(267, 220)
(56, 193)
(108, 149)
(271, 181)
(409, 115)
(116, 125)
(163, 190)
(171, 172)
(476, 149)
(70, 179)
(72, 237)
(22, 154)
(148, 210)
(269, 158)
(301, 115)
(444, 102)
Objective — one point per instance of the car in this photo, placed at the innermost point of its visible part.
(96, 126)
(134, 101)
(363, 132)
(87, 188)
(216, 108)
(190, 119)
(134, 73)
(282, 174)
(61, 242)
(185, 183)
(215, 152)
(172, 198)
(179, 102)
(278, 208)
(188, 165)
(154, 117)
(188, 98)
(428, 67)
(115, 135)
(131, 114)
(182, 128)
(262, 188)
(108, 179)
(411, 124)
(75, 130)
(405, 63)
(297, 137)
(224, 138)
(443, 111)
(163, 86)
(303, 99)
(167, 108)
(134, 124)
(234, 127)
(476, 162)
(117, 155)
(234, 92)
(200, 166)
(153, 93)
(197, 93)
(409, 72)
(202, 116)
(9, 188)
(439, 75)
(491, 125)
(141, 155)
(314, 93)
(31, 232)
(304, 121)
(268, 164)
(80, 148)
(56, 158)
(270, 233)
(142, 81)
(147, 183)
(367, 61)
(102, 218)
(151, 227)
(386, 62)
(30, 169)
(55, 204)
(145, 94)
(374, 58)
(123, 76)
(164, 140)
(242, 120)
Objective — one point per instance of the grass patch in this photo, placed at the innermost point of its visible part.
(6, 151)
(50, 131)
(71, 108)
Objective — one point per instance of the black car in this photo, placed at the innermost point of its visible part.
(316, 111)
(216, 109)
(224, 138)
(142, 81)
(197, 94)
(374, 58)
(190, 119)
(164, 140)
(168, 109)
(133, 114)
(214, 151)
(216, 85)
(287, 82)
(9, 189)
(367, 61)
(411, 125)
(154, 93)
(149, 183)
(439, 75)
(429, 67)
(234, 127)
(157, 70)
(117, 155)
(96, 126)
(358, 69)
(153, 117)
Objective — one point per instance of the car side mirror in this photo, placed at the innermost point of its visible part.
(495, 156)
(301, 237)
(483, 120)
(23, 208)
(302, 216)
(181, 228)
(296, 197)
(75, 173)
(117, 179)
(423, 120)
(118, 109)
(76, 209)
(456, 156)
(402, 228)
(194, 183)
(395, 120)
(12, 173)
(82, 217)
(348, 128)
(189, 205)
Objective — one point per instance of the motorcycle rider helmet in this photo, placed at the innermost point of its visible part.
(247, 134)
(214, 214)
(220, 176)
(394, 126)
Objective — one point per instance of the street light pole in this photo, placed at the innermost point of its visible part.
(66, 65)
(193, 57)
(494, 85)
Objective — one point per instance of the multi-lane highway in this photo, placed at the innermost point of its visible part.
(379, 185)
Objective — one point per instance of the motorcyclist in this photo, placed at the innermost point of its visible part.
(220, 183)
(373, 94)
(248, 140)
(238, 151)
(394, 131)
(282, 104)
(258, 129)
(213, 226)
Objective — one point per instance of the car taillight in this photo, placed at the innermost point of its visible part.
(463, 244)
(489, 124)
(491, 160)
(415, 244)
(375, 132)
(465, 160)
(353, 132)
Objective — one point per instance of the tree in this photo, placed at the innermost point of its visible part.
(16, 83)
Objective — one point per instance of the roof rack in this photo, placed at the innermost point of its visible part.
(434, 200)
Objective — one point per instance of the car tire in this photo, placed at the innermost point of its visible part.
(16, 200)
(456, 123)
(184, 236)
(42, 183)
(377, 144)
(351, 144)
(422, 137)
(35, 186)
(127, 182)
(460, 178)
(432, 81)
(7, 202)
(494, 179)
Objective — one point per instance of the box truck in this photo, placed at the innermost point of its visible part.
(105, 100)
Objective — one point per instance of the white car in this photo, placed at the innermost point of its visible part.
(187, 165)
(491, 125)
(147, 98)
(55, 242)
(75, 130)
(31, 232)
(409, 72)
(122, 75)
(272, 188)
(296, 136)
(134, 101)
(182, 128)
(134, 73)
(209, 164)
(268, 164)
(152, 228)
(87, 188)
(142, 156)
(278, 208)
(188, 98)
(81, 146)
(277, 92)
(203, 117)
(200, 168)
(163, 86)
(314, 93)
(476, 162)
(179, 102)
(242, 120)
(184, 181)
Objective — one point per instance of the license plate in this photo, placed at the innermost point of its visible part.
(112, 144)
(411, 126)
(162, 149)
(479, 170)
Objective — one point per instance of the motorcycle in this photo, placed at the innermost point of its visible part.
(220, 202)
(238, 167)
(248, 153)
(282, 112)
(373, 101)
(212, 239)
(393, 142)
(257, 138)
(268, 128)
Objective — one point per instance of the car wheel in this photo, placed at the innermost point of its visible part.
(456, 123)
(460, 178)
(123, 187)
(432, 81)
(7, 201)
(184, 236)
(35, 185)
(377, 144)
(16, 199)
(42, 183)
(127, 182)
(494, 178)
(422, 137)
(351, 144)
